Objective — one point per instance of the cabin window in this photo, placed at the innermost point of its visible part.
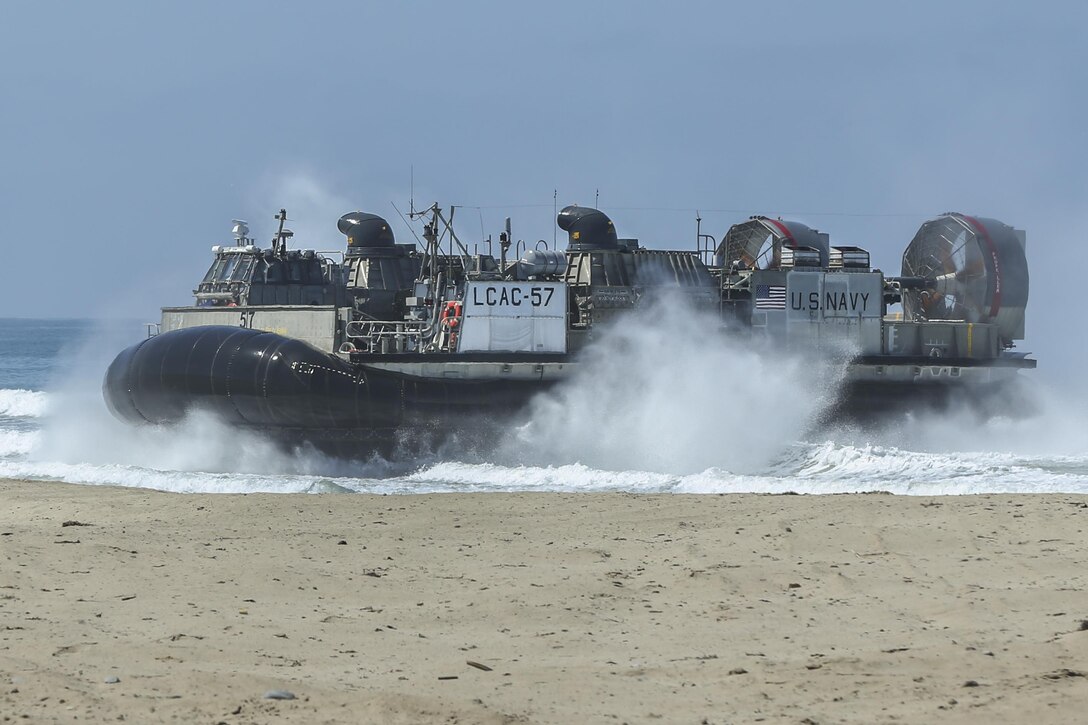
(227, 269)
(241, 274)
(213, 271)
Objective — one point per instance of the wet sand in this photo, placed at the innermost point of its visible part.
(524, 608)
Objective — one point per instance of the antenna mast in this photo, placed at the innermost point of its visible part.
(555, 213)
(281, 236)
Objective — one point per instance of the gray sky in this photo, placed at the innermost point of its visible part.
(132, 133)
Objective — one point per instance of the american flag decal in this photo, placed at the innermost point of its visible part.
(770, 297)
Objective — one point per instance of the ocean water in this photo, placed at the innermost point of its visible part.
(647, 415)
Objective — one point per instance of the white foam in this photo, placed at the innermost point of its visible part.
(164, 480)
(661, 406)
(454, 476)
(15, 443)
(809, 469)
(18, 403)
(830, 467)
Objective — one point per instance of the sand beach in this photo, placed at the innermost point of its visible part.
(134, 605)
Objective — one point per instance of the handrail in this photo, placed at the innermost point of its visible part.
(382, 335)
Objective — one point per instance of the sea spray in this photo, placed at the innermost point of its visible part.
(1054, 423)
(750, 438)
(667, 391)
(79, 430)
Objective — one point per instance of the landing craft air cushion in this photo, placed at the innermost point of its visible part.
(396, 340)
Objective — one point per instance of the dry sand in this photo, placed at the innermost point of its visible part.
(497, 608)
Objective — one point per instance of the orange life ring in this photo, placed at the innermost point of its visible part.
(451, 319)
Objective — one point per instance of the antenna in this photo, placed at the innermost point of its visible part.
(412, 189)
(450, 226)
(597, 199)
(555, 213)
(413, 231)
(281, 234)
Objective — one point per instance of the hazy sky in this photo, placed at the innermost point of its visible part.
(131, 133)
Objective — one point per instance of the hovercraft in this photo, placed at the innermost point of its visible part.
(394, 338)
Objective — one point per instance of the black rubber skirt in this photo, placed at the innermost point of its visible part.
(248, 377)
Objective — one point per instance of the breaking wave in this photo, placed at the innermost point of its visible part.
(23, 403)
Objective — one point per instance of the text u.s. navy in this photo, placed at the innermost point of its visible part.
(837, 301)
